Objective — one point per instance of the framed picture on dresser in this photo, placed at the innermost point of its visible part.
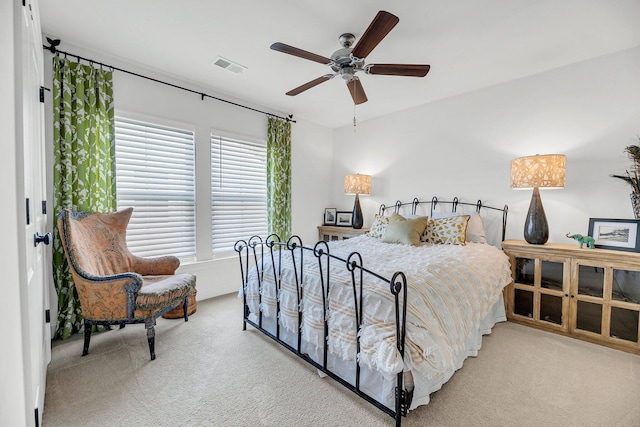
(329, 216)
(343, 219)
(618, 234)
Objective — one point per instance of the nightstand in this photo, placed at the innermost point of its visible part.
(589, 294)
(331, 232)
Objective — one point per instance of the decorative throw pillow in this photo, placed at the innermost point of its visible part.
(475, 229)
(448, 231)
(379, 226)
(405, 231)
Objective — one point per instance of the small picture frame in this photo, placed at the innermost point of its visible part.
(343, 219)
(330, 216)
(618, 234)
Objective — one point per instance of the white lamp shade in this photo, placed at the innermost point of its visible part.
(543, 171)
(357, 184)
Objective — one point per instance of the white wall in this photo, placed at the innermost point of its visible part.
(311, 168)
(462, 146)
(311, 157)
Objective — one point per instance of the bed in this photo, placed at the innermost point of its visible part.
(388, 316)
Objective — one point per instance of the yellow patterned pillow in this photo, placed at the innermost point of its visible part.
(379, 226)
(447, 231)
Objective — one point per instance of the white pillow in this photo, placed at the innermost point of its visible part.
(475, 228)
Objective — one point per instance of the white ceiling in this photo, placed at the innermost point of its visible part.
(470, 44)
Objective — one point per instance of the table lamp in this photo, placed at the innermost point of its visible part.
(357, 184)
(534, 172)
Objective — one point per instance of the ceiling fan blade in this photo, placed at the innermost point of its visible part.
(410, 70)
(377, 30)
(357, 91)
(285, 48)
(310, 84)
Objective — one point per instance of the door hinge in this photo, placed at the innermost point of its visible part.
(28, 217)
(44, 207)
(47, 316)
(36, 413)
(42, 89)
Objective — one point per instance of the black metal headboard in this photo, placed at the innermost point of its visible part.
(454, 206)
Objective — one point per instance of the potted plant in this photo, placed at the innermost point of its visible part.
(632, 176)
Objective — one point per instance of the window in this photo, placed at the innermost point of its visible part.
(155, 174)
(238, 191)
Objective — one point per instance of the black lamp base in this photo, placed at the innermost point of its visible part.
(356, 216)
(536, 228)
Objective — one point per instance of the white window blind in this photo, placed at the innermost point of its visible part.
(238, 191)
(155, 174)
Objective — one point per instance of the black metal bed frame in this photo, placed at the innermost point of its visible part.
(454, 206)
(253, 251)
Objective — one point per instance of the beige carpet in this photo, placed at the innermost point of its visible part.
(208, 372)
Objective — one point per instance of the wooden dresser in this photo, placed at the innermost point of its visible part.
(331, 232)
(589, 294)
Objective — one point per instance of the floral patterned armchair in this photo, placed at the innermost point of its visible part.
(114, 286)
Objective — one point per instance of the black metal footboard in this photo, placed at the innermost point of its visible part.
(270, 252)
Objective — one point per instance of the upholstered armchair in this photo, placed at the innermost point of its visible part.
(114, 286)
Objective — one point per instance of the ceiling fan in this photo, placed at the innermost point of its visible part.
(346, 62)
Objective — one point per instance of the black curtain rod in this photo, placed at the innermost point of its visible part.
(203, 95)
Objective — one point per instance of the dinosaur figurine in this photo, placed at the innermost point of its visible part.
(582, 240)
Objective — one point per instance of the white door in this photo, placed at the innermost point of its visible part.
(34, 198)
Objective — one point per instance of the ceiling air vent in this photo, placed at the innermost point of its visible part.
(228, 65)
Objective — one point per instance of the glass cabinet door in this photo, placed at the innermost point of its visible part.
(524, 277)
(625, 300)
(608, 303)
(590, 280)
(523, 303)
(525, 271)
(589, 317)
(551, 291)
(539, 290)
(589, 310)
(624, 324)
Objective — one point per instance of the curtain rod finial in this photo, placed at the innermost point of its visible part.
(52, 45)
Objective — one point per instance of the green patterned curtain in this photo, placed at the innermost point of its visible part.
(279, 177)
(84, 168)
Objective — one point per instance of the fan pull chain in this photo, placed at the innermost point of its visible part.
(355, 91)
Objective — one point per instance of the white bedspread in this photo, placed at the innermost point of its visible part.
(450, 289)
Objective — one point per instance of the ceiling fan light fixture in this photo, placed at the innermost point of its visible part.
(347, 61)
(347, 73)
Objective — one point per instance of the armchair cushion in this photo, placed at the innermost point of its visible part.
(159, 265)
(163, 291)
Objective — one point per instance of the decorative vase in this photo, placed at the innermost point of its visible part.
(356, 216)
(635, 203)
(536, 228)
